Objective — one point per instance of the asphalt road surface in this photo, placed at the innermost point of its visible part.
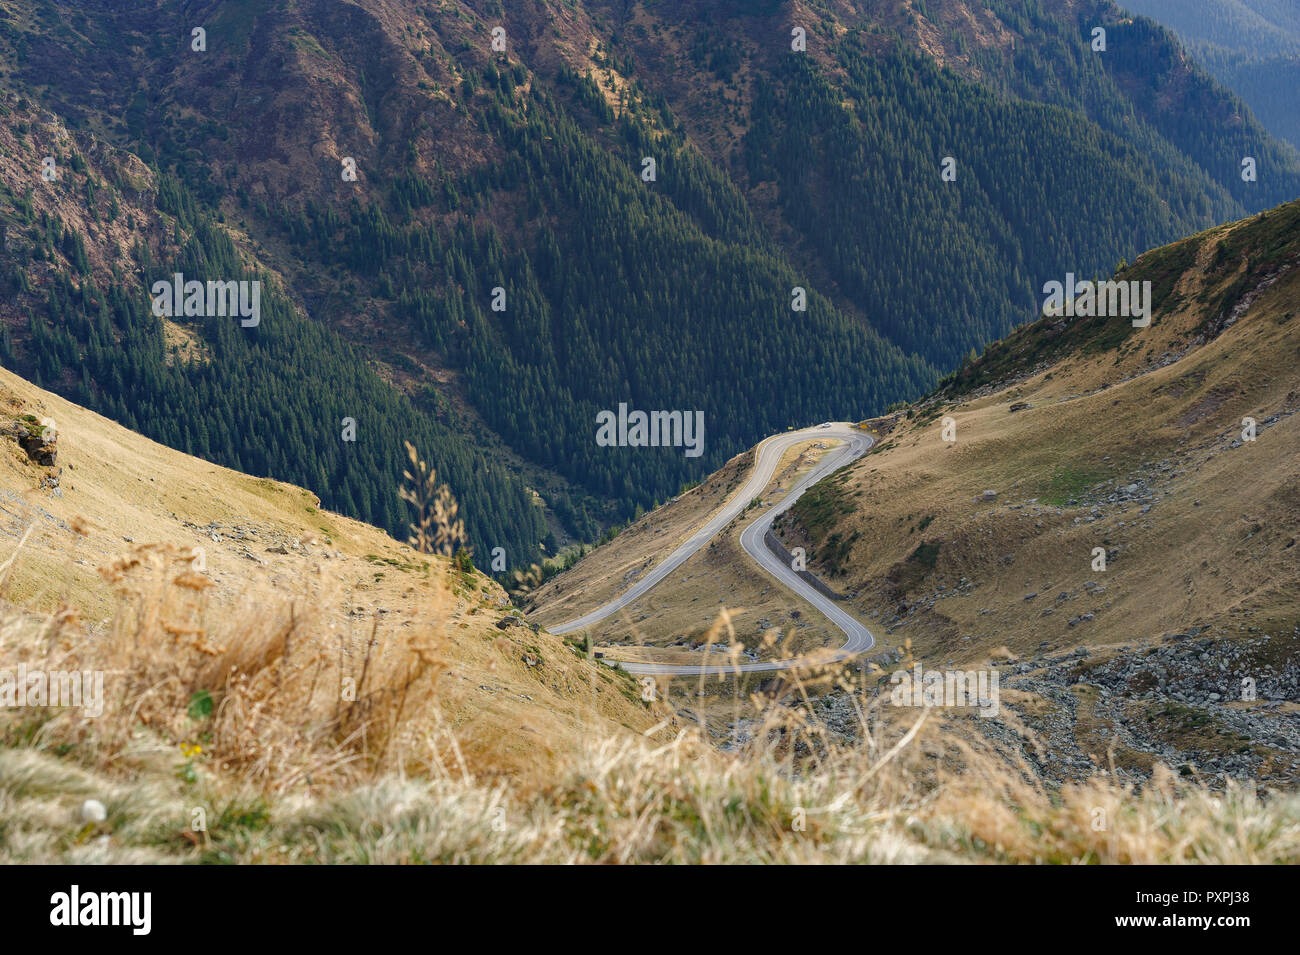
(767, 456)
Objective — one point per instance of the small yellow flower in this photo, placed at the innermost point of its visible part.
(190, 750)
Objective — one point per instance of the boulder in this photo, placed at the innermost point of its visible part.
(41, 450)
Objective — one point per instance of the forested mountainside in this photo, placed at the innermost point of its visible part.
(1251, 46)
(1269, 27)
(268, 400)
(479, 249)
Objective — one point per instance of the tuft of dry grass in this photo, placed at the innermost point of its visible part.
(629, 800)
(437, 529)
(273, 690)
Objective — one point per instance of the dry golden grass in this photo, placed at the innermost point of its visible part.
(280, 692)
(908, 791)
(520, 701)
(284, 766)
(273, 691)
(1214, 542)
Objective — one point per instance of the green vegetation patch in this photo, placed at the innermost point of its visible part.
(407, 567)
(906, 574)
(1068, 484)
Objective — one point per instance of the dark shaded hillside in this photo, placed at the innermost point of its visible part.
(944, 266)
(1250, 46)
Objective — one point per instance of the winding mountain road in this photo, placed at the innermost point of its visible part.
(767, 456)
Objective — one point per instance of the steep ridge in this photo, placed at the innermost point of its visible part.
(82, 253)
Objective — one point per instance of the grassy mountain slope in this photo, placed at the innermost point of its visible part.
(1126, 443)
(100, 571)
(225, 737)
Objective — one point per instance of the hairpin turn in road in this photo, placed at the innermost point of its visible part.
(767, 456)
